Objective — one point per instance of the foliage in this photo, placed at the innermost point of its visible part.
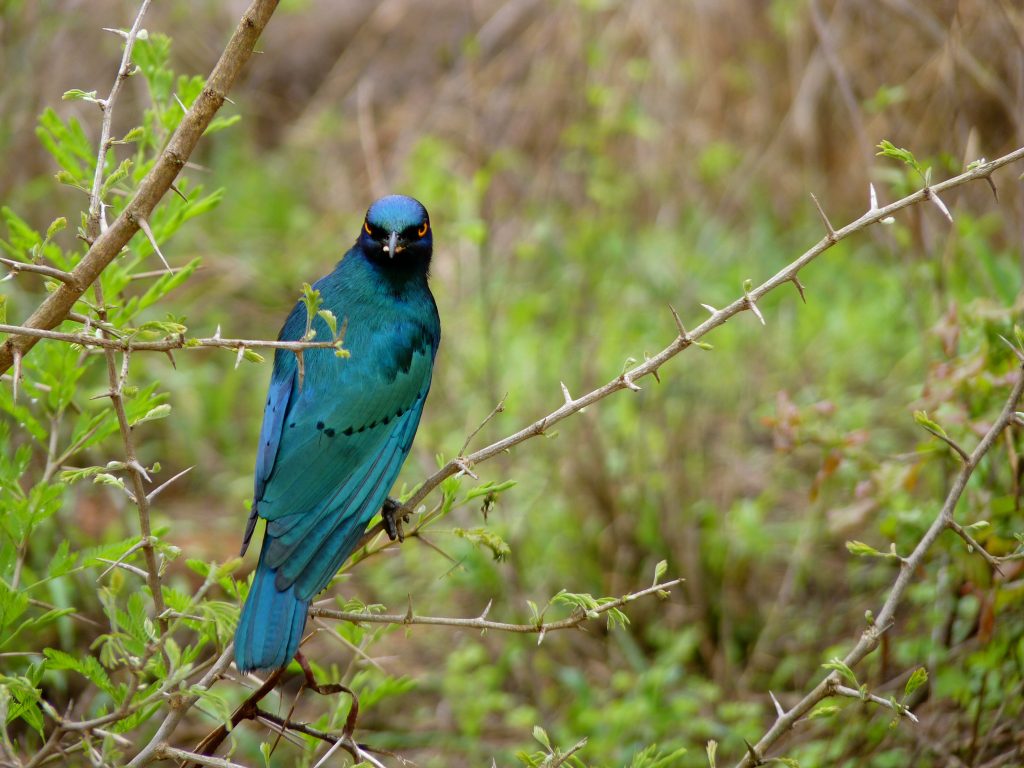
(784, 474)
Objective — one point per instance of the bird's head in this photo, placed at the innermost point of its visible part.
(397, 231)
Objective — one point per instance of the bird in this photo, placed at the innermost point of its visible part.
(336, 431)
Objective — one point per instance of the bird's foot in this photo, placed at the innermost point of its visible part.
(392, 515)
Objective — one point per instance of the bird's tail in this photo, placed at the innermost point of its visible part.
(271, 624)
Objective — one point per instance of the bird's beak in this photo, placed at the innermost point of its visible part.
(392, 247)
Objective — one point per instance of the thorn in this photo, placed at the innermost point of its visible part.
(175, 190)
(756, 758)
(170, 357)
(930, 194)
(992, 186)
(487, 609)
(17, 374)
(217, 334)
(118, 32)
(103, 217)
(679, 325)
(180, 104)
(565, 393)
(240, 355)
(874, 205)
(1013, 347)
(138, 468)
(710, 309)
(828, 224)
(800, 287)
(464, 469)
(754, 309)
(654, 371)
(540, 636)
(778, 707)
(157, 491)
(229, 101)
(408, 612)
(152, 240)
(629, 383)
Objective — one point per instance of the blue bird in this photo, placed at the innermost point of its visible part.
(335, 436)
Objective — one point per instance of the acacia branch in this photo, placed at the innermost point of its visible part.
(162, 345)
(481, 622)
(107, 105)
(885, 618)
(179, 707)
(105, 248)
(685, 339)
(850, 693)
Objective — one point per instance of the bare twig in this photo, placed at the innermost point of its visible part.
(165, 751)
(163, 345)
(974, 546)
(180, 706)
(842, 690)
(107, 105)
(39, 269)
(482, 623)
(885, 617)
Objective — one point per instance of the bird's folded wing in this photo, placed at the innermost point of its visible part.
(307, 548)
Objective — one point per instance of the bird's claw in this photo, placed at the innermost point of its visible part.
(392, 521)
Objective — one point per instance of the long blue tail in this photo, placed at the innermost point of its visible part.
(271, 624)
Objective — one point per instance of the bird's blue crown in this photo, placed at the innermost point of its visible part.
(396, 213)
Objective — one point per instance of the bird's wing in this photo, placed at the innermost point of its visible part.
(282, 382)
(307, 548)
(331, 449)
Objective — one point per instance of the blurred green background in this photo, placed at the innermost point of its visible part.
(586, 164)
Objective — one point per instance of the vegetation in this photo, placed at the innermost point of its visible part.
(588, 166)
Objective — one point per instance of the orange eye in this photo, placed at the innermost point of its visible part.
(423, 229)
(366, 226)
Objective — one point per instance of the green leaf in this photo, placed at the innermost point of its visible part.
(483, 537)
(135, 134)
(823, 711)
(488, 488)
(863, 550)
(842, 668)
(917, 679)
(76, 94)
(660, 570)
(922, 418)
(220, 123)
(888, 149)
(119, 173)
(56, 226)
(541, 735)
(331, 320)
(159, 412)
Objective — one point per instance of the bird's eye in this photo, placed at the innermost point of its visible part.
(423, 229)
(366, 226)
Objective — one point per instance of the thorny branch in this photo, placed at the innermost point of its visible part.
(481, 622)
(885, 618)
(105, 248)
(162, 345)
(685, 339)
